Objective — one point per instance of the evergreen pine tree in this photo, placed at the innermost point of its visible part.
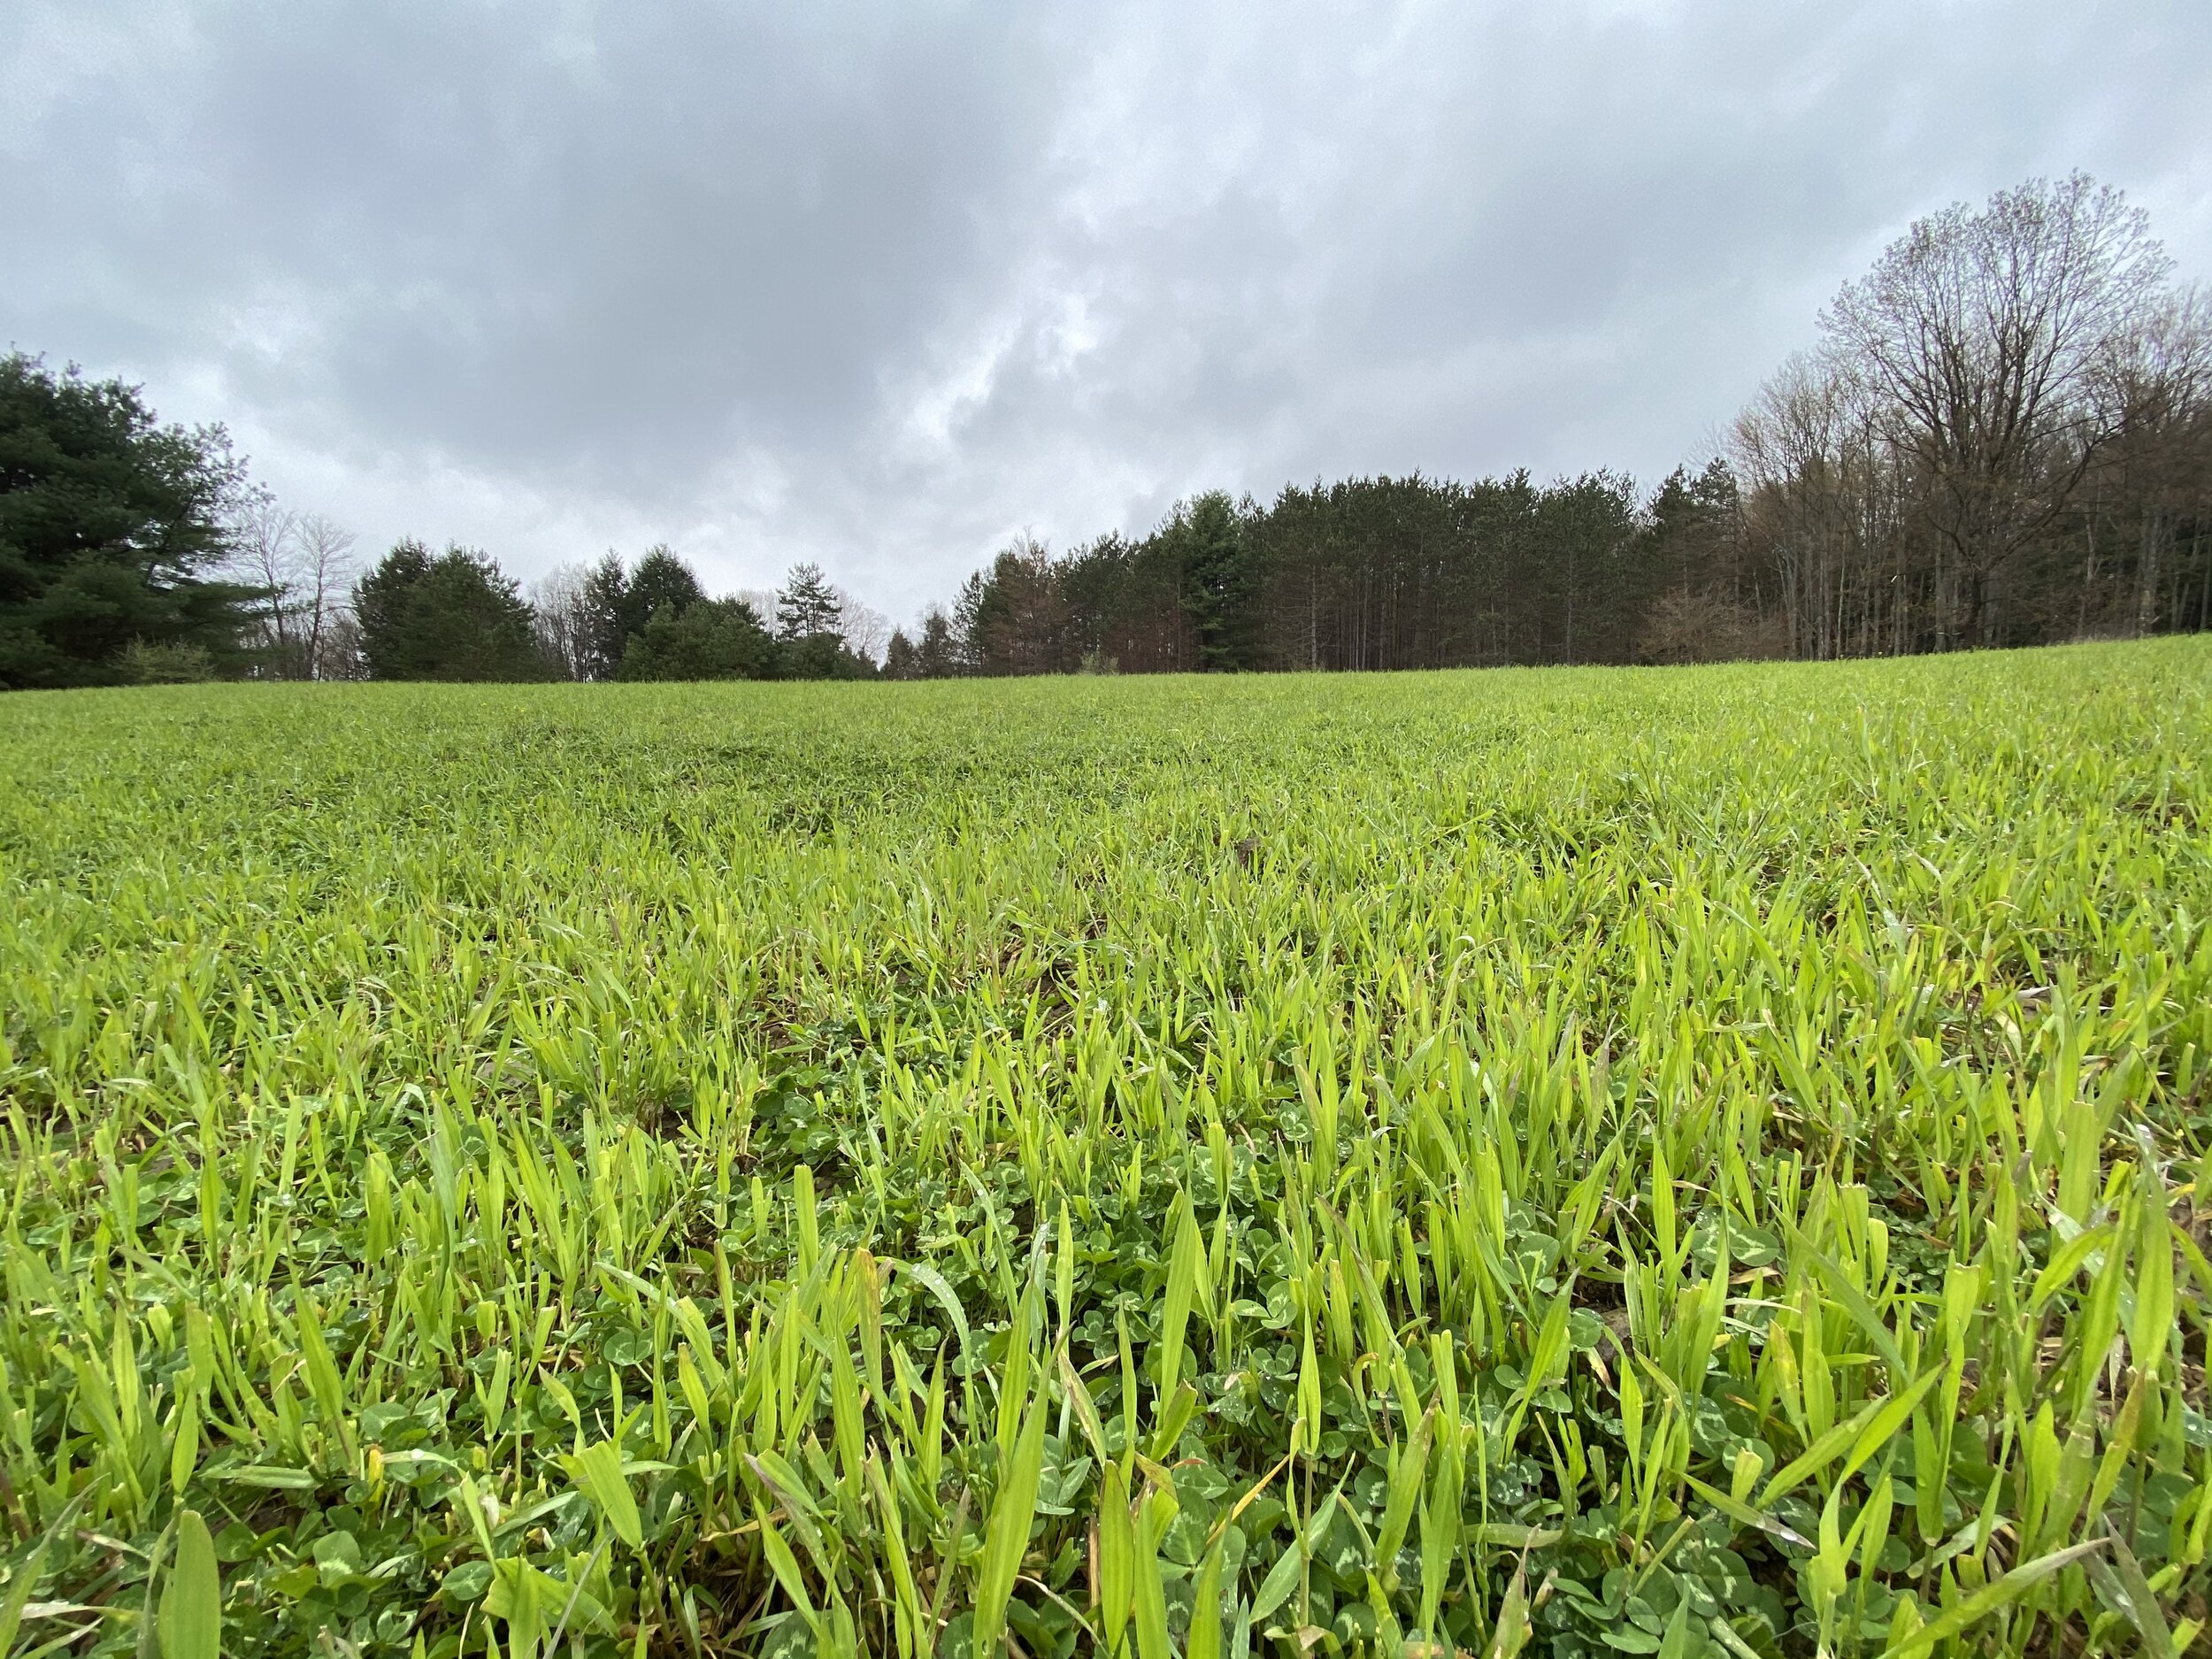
(111, 528)
(456, 616)
(806, 605)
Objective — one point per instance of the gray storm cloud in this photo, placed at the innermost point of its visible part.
(881, 286)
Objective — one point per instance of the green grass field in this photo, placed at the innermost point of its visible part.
(1689, 1163)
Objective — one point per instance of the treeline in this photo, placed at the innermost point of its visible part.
(457, 616)
(2004, 437)
(1367, 574)
(133, 552)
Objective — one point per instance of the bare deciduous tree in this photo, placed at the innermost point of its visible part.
(561, 603)
(2159, 389)
(1806, 451)
(323, 575)
(1981, 338)
(2007, 438)
(303, 565)
(867, 631)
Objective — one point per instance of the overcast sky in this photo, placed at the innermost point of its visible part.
(883, 285)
